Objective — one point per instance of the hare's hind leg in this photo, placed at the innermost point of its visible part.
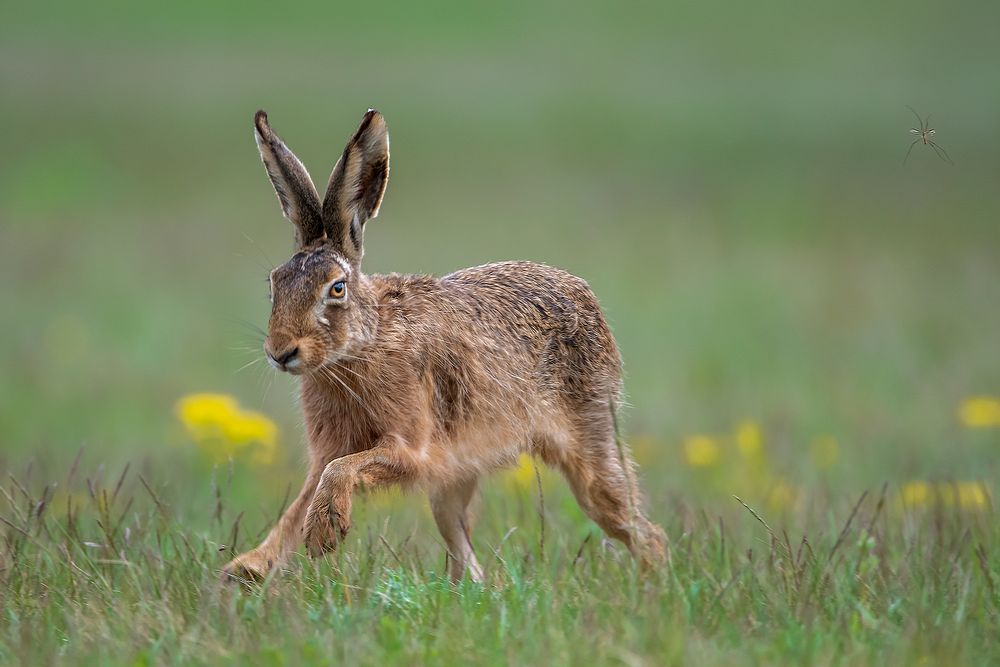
(602, 477)
(450, 505)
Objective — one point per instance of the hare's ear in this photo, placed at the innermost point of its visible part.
(357, 184)
(295, 189)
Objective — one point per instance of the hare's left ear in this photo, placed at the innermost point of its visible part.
(357, 184)
(296, 192)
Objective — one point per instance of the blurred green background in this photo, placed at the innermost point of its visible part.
(727, 176)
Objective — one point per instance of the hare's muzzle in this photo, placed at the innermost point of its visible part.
(287, 359)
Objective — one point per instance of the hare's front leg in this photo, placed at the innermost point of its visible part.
(283, 539)
(329, 516)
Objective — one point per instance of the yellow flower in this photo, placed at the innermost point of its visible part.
(701, 451)
(223, 430)
(825, 451)
(972, 495)
(202, 414)
(247, 428)
(387, 499)
(916, 494)
(748, 439)
(966, 495)
(980, 412)
(782, 496)
(523, 476)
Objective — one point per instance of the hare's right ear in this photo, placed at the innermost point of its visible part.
(295, 189)
(357, 185)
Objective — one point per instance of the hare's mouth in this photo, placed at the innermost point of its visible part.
(289, 361)
(292, 366)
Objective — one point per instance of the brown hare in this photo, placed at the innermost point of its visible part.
(431, 382)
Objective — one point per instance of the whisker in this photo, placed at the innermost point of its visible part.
(247, 324)
(261, 379)
(344, 355)
(255, 261)
(328, 373)
(253, 350)
(247, 365)
(268, 385)
(349, 370)
(259, 249)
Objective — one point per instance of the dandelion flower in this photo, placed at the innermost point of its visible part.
(980, 412)
(523, 476)
(203, 414)
(701, 451)
(223, 430)
(782, 496)
(247, 428)
(972, 496)
(916, 494)
(748, 439)
(967, 495)
(387, 499)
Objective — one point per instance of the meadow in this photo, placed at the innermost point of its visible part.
(810, 327)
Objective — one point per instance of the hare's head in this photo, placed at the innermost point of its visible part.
(320, 305)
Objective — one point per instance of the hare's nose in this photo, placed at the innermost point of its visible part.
(285, 357)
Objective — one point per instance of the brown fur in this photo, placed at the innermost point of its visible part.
(432, 382)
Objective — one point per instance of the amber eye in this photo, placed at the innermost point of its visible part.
(337, 290)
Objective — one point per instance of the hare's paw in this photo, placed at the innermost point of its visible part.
(250, 567)
(654, 548)
(324, 529)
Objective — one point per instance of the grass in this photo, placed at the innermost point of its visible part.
(801, 316)
(115, 574)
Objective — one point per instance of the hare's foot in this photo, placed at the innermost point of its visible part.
(329, 515)
(652, 548)
(450, 506)
(325, 528)
(250, 567)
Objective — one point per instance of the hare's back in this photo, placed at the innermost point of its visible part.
(548, 313)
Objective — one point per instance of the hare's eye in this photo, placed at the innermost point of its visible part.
(337, 290)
